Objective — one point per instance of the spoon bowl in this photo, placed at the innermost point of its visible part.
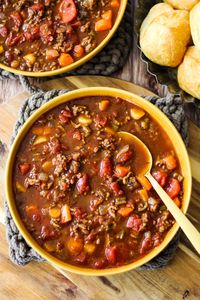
(190, 231)
(147, 158)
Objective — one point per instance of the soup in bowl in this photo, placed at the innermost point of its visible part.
(75, 189)
(50, 37)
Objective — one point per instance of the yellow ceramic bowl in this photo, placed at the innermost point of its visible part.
(80, 61)
(157, 115)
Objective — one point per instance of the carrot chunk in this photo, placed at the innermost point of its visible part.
(121, 171)
(170, 162)
(144, 182)
(42, 130)
(37, 130)
(65, 59)
(31, 209)
(114, 3)
(143, 195)
(125, 211)
(75, 245)
(105, 23)
(54, 212)
(177, 202)
(104, 104)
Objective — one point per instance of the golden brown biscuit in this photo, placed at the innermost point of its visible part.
(165, 34)
(189, 72)
(182, 4)
(195, 24)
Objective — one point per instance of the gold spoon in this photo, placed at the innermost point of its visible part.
(190, 231)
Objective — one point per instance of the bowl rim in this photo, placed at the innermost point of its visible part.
(81, 61)
(158, 115)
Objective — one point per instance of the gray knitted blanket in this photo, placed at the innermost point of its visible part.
(19, 251)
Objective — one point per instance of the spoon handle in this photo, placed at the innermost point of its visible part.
(190, 231)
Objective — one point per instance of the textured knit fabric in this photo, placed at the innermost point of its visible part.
(20, 252)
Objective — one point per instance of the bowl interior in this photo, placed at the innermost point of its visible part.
(81, 61)
(157, 115)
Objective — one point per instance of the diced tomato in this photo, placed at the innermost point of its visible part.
(33, 212)
(76, 24)
(46, 32)
(67, 10)
(82, 184)
(9, 55)
(93, 166)
(77, 135)
(24, 168)
(77, 213)
(47, 232)
(122, 252)
(125, 156)
(78, 51)
(55, 146)
(111, 254)
(13, 40)
(121, 171)
(105, 168)
(65, 116)
(28, 36)
(134, 222)
(116, 188)
(3, 31)
(81, 258)
(160, 177)
(38, 6)
(173, 187)
(36, 217)
(100, 120)
(33, 34)
(17, 18)
(94, 204)
(146, 245)
(31, 209)
(64, 186)
(51, 54)
(157, 239)
(100, 263)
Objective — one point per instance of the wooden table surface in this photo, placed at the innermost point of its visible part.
(179, 280)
